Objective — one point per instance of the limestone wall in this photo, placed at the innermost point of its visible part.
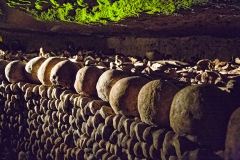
(178, 47)
(52, 42)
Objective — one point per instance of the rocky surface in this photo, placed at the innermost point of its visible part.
(213, 19)
(209, 30)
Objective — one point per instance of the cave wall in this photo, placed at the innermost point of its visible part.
(53, 42)
(179, 47)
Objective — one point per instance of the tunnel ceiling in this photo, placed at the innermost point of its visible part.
(175, 18)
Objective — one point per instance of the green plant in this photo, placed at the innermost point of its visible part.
(105, 11)
(63, 12)
(55, 4)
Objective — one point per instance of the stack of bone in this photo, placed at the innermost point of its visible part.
(84, 108)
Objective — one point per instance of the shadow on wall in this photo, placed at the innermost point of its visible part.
(52, 43)
(178, 47)
(2, 12)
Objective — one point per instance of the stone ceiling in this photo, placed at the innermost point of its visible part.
(213, 19)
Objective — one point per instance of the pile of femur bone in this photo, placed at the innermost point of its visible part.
(118, 107)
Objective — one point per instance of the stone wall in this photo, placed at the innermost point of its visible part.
(179, 47)
(54, 41)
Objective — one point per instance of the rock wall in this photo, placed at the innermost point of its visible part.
(53, 42)
(178, 47)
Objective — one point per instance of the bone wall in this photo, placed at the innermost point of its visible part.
(39, 122)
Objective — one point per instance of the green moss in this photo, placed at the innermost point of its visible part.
(55, 4)
(50, 15)
(80, 2)
(63, 12)
(38, 6)
(105, 11)
(19, 3)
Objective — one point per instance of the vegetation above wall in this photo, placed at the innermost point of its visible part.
(99, 11)
(118, 18)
